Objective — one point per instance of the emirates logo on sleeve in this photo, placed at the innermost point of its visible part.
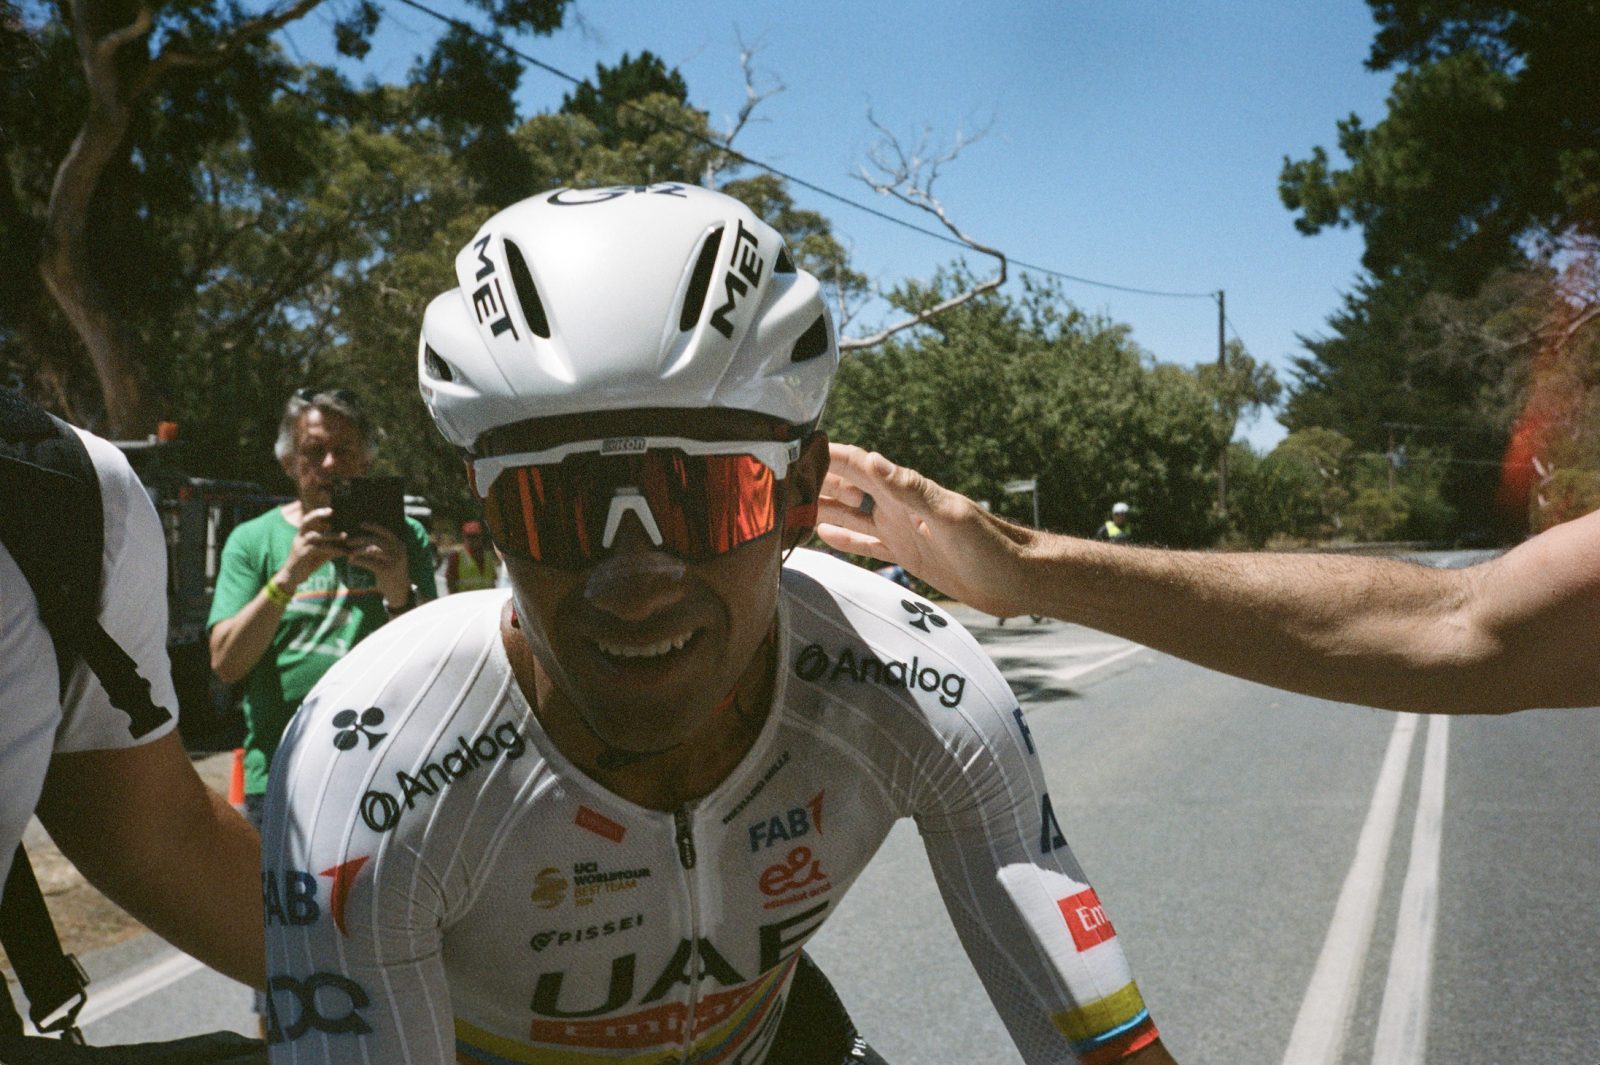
(1086, 919)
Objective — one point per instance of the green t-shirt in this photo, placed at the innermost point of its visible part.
(335, 608)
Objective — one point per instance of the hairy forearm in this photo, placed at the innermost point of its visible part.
(143, 828)
(218, 919)
(1370, 631)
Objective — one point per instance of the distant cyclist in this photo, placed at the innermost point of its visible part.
(598, 822)
(1117, 528)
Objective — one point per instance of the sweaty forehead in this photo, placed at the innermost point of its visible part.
(694, 423)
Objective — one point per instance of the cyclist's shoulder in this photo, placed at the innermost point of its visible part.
(833, 603)
(427, 658)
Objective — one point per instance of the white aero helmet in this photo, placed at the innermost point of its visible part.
(583, 300)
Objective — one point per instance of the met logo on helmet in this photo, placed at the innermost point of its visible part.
(745, 266)
(489, 299)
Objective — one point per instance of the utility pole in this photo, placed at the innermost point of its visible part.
(1222, 368)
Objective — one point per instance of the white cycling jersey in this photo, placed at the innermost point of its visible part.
(441, 884)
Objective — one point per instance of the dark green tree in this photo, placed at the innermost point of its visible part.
(631, 81)
(1004, 388)
(1492, 136)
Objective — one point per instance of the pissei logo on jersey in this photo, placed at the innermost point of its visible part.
(560, 937)
(815, 663)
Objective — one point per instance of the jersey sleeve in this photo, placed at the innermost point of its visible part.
(133, 611)
(354, 916)
(1027, 915)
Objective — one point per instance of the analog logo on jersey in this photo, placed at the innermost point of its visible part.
(549, 888)
(350, 727)
(1086, 919)
(814, 663)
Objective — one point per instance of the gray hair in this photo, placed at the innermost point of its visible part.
(340, 401)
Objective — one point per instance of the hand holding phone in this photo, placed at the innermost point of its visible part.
(379, 500)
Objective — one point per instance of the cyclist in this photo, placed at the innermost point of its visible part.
(599, 821)
(1115, 528)
(1510, 634)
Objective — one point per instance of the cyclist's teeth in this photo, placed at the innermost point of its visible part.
(650, 651)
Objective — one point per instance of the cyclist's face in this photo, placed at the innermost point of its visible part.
(642, 643)
(327, 447)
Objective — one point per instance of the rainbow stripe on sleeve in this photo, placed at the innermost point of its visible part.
(1108, 1029)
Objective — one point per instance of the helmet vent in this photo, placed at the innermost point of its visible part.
(694, 300)
(813, 342)
(437, 367)
(784, 265)
(527, 295)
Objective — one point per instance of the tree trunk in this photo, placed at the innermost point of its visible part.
(65, 262)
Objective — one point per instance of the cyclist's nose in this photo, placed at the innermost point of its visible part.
(635, 580)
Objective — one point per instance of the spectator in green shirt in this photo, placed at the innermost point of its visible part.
(292, 594)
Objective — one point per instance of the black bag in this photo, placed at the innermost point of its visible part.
(48, 485)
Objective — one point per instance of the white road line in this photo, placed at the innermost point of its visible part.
(1068, 673)
(128, 989)
(1319, 1030)
(1403, 1019)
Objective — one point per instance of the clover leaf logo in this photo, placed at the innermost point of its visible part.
(352, 726)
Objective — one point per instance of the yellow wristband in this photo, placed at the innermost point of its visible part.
(276, 594)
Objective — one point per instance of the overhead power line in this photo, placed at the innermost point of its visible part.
(793, 179)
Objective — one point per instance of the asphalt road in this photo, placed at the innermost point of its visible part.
(1295, 881)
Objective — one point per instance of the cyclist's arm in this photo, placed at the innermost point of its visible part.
(1506, 635)
(142, 827)
(1027, 915)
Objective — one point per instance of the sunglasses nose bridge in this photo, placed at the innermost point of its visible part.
(627, 500)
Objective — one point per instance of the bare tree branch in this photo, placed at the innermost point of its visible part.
(910, 179)
(753, 98)
(172, 57)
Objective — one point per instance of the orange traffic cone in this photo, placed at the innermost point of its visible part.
(236, 783)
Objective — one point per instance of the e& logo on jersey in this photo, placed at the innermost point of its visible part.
(323, 1002)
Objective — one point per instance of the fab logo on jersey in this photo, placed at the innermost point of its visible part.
(793, 823)
(815, 663)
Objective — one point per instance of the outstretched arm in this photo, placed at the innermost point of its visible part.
(1507, 635)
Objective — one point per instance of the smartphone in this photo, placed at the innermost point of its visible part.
(379, 500)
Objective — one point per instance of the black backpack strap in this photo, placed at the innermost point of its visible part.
(52, 979)
(59, 543)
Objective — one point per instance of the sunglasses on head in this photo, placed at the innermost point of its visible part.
(695, 498)
(338, 395)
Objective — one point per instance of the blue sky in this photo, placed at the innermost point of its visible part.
(1134, 142)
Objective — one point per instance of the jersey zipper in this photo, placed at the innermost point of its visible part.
(683, 825)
